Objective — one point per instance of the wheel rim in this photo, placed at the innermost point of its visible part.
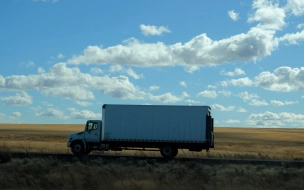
(167, 150)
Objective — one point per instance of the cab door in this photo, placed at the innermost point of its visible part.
(92, 132)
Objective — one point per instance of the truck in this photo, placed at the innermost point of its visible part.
(164, 128)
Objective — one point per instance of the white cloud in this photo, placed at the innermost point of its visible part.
(21, 99)
(70, 93)
(233, 121)
(246, 96)
(222, 108)
(255, 102)
(280, 103)
(208, 94)
(154, 87)
(168, 97)
(233, 15)
(131, 73)
(199, 51)
(237, 82)
(225, 92)
(296, 7)
(153, 30)
(41, 70)
(241, 110)
(84, 114)
(83, 103)
(17, 114)
(96, 71)
(211, 86)
(51, 112)
(283, 79)
(71, 83)
(28, 64)
(2, 81)
(270, 119)
(192, 101)
(268, 15)
(183, 84)
(236, 72)
(276, 103)
(300, 25)
(292, 38)
(115, 68)
(60, 56)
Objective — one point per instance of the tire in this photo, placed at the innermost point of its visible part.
(168, 151)
(77, 148)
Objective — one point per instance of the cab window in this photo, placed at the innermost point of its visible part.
(91, 126)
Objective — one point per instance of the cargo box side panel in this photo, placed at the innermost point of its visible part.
(155, 123)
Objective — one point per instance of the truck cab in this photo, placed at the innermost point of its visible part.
(89, 139)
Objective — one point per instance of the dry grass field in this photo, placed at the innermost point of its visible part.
(132, 174)
(229, 142)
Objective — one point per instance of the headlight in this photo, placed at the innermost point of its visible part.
(71, 139)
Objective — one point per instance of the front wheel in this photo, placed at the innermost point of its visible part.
(77, 148)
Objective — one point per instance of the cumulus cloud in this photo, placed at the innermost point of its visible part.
(96, 70)
(51, 112)
(199, 51)
(233, 121)
(84, 114)
(236, 72)
(296, 7)
(292, 38)
(129, 71)
(28, 64)
(222, 108)
(255, 102)
(233, 15)
(183, 84)
(270, 119)
(71, 83)
(208, 94)
(237, 82)
(60, 56)
(269, 17)
(17, 114)
(241, 110)
(246, 96)
(280, 103)
(211, 86)
(154, 87)
(83, 103)
(225, 92)
(300, 25)
(168, 97)
(41, 70)
(283, 79)
(153, 30)
(21, 99)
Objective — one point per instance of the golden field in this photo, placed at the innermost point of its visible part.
(270, 143)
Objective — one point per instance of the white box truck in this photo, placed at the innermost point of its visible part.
(164, 128)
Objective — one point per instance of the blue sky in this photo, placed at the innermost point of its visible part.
(62, 59)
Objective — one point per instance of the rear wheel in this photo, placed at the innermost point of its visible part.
(77, 148)
(168, 151)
